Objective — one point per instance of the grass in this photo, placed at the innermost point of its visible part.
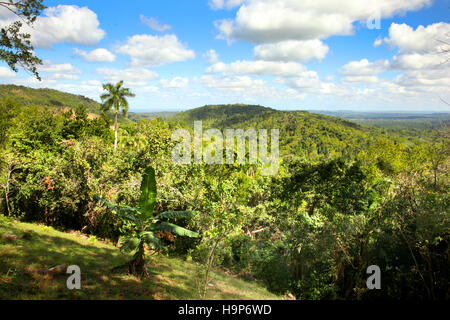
(22, 262)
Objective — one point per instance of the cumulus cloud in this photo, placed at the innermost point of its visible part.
(422, 39)
(149, 51)
(211, 56)
(154, 24)
(292, 50)
(364, 67)
(131, 77)
(224, 4)
(270, 21)
(61, 71)
(49, 66)
(176, 82)
(424, 73)
(422, 48)
(258, 67)
(417, 61)
(6, 73)
(236, 83)
(97, 55)
(66, 24)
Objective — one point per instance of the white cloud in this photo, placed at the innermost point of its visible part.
(292, 50)
(378, 42)
(89, 88)
(6, 73)
(97, 55)
(235, 83)
(417, 61)
(131, 77)
(211, 56)
(146, 50)
(364, 68)
(269, 21)
(257, 68)
(49, 66)
(177, 82)
(66, 24)
(364, 72)
(420, 40)
(224, 4)
(55, 71)
(153, 23)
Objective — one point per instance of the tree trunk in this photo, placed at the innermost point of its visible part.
(115, 132)
(209, 266)
(10, 170)
(136, 266)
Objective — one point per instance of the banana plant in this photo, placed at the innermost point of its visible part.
(141, 226)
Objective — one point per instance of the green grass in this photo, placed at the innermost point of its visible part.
(22, 261)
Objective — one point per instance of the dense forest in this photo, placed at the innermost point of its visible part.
(346, 196)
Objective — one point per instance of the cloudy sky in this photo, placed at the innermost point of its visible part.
(365, 55)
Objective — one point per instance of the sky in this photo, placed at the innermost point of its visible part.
(371, 55)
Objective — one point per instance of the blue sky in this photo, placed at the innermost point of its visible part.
(285, 54)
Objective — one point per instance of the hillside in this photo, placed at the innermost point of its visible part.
(302, 134)
(52, 98)
(216, 115)
(170, 279)
(47, 97)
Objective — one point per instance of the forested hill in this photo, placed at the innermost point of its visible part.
(303, 134)
(218, 115)
(47, 97)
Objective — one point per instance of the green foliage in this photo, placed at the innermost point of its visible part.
(47, 97)
(345, 196)
(115, 98)
(140, 226)
(15, 46)
(7, 110)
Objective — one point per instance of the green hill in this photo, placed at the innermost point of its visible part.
(52, 98)
(215, 114)
(303, 134)
(47, 97)
(39, 248)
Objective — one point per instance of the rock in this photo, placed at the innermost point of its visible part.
(10, 237)
(58, 270)
(290, 297)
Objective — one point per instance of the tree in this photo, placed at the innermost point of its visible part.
(142, 227)
(15, 45)
(115, 98)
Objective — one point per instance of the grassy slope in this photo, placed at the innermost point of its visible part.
(171, 279)
(51, 98)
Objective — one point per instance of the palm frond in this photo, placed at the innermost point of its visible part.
(151, 239)
(174, 229)
(129, 243)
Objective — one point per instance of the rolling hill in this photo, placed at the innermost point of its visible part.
(47, 97)
(53, 98)
(302, 134)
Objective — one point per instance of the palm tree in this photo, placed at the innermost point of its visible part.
(115, 99)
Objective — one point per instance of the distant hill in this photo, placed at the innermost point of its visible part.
(47, 97)
(394, 120)
(138, 116)
(52, 98)
(221, 114)
(302, 134)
